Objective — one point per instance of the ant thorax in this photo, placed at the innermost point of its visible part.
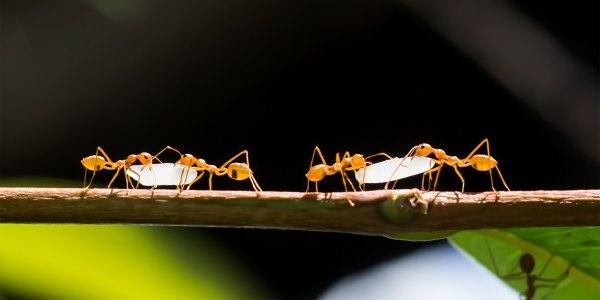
(451, 160)
(212, 168)
(440, 154)
(338, 167)
(189, 160)
(131, 158)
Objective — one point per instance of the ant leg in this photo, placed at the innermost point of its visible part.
(101, 151)
(244, 152)
(344, 181)
(337, 156)
(139, 177)
(487, 145)
(183, 179)
(349, 181)
(411, 152)
(492, 182)
(343, 172)
(126, 181)
(210, 181)
(312, 159)
(255, 184)
(461, 179)
(103, 154)
(437, 176)
(502, 178)
(364, 185)
(114, 177)
(318, 151)
(485, 141)
(137, 185)
(379, 154)
(427, 173)
(195, 179)
(163, 150)
(429, 180)
(85, 178)
(345, 187)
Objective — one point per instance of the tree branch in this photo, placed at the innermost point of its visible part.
(382, 212)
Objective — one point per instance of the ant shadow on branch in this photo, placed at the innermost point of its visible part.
(534, 282)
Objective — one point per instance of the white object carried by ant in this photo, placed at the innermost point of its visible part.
(162, 174)
(394, 169)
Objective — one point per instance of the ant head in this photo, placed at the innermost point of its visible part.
(527, 263)
(423, 149)
(94, 163)
(238, 171)
(187, 160)
(358, 161)
(145, 158)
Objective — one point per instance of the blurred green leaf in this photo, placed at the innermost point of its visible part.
(113, 262)
(556, 248)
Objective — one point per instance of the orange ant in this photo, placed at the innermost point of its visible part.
(235, 170)
(527, 265)
(96, 163)
(479, 162)
(347, 162)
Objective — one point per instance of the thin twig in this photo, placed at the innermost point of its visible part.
(381, 212)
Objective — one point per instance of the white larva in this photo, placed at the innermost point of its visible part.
(382, 172)
(162, 174)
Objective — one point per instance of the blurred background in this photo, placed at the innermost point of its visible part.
(277, 78)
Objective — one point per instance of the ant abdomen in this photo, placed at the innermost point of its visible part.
(481, 162)
(238, 171)
(317, 172)
(93, 162)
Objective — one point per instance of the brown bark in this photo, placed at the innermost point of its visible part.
(375, 212)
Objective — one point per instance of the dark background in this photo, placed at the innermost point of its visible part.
(277, 78)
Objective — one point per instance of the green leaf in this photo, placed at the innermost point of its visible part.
(555, 250)
(111, 262)
(420, 236)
